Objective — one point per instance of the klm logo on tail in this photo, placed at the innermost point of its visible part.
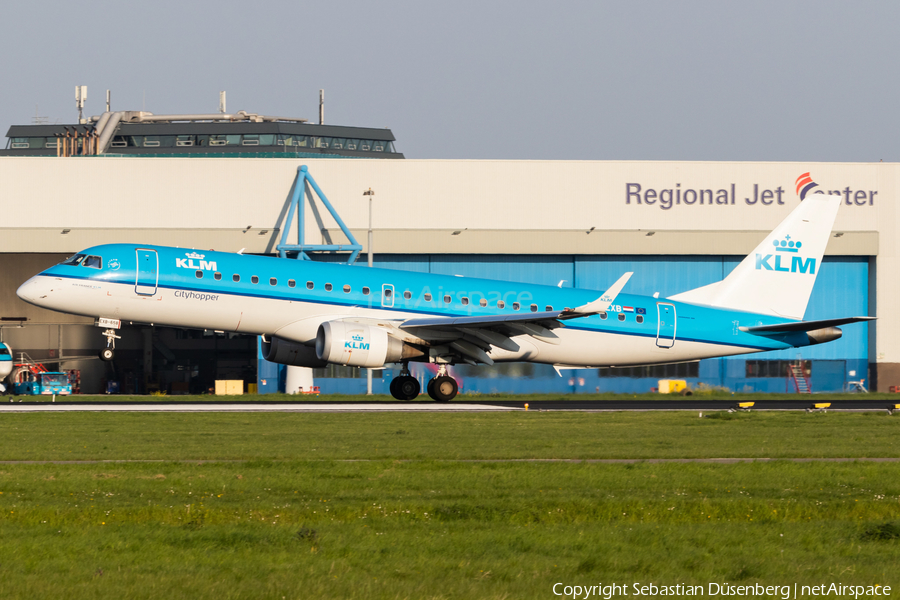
(788, 246)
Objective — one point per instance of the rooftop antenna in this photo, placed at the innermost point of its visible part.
(107, 100)
(37, 119)
(222, 102)
(321, 107)
(80, 97)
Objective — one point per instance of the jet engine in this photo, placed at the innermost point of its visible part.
(360, 345)
(285, 352)
(826, 334)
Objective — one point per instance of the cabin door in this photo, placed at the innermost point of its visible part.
(147, 272)
(665, 332)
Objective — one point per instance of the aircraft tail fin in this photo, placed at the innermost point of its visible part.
(777, 278)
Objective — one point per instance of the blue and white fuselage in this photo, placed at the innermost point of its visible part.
(312, 313)
(291, 298)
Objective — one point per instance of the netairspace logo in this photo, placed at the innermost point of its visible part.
(785, 592)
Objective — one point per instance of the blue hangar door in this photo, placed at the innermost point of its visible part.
(147, 272)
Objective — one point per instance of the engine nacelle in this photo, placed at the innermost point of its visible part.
(359, 345)
(820, 336)
(285, 352)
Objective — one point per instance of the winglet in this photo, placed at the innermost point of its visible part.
(603, 303)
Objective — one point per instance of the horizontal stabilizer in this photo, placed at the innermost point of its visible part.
(803, 325)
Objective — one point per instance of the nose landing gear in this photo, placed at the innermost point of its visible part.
(109, 353)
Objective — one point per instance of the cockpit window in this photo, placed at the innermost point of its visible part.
(4, 351)
(74, 260)
(94, 262)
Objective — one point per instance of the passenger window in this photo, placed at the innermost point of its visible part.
(407, 294)
(366, 291)
(548, 308)
(534, 308)
(515, 306)
(639, 318)
(501, 304)
(447, 299)
(273, 281)
(199, 274)
(603, 316)
(427, 297)
(465, 301)
(328, 287)
(621, 316)
(235, 278)
(254, 279)
(292, 283)
(310, 285)
(388, 292)
(346, 289)
(482, 302)
(94, 262)
(217, 276)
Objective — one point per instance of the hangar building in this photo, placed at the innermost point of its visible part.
(677, 225)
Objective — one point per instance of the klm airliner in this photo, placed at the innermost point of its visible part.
(312, 313)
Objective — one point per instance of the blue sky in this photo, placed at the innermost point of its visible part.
(687, 80)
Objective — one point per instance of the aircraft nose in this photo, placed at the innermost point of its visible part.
(30, 291)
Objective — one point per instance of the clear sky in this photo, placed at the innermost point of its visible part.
(687, 80)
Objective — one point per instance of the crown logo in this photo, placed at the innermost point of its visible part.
(195, 255)
(357, 338)
(786, 245)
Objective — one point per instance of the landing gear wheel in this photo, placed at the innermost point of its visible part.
(443, 388)
(108, 353)
(430, 387)
(405, 387)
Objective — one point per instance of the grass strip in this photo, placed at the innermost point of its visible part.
(438, 530)
(508, 435)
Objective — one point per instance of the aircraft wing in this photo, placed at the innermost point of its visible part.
(471, 338)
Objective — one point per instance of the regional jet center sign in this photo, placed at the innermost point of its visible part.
(670, 197)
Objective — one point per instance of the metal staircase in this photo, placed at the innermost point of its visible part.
(801, 381)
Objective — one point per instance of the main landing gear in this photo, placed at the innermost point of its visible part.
(442, 387)
(405, 387)
(108, 353)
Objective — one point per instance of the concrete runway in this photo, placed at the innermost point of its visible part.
(251, 407)
(482, 405)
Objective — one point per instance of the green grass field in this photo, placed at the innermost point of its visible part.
(408, 505)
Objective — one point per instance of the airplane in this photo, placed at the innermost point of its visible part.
(311, 313)
(6, 364)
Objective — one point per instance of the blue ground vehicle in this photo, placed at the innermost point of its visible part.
(46, 383)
